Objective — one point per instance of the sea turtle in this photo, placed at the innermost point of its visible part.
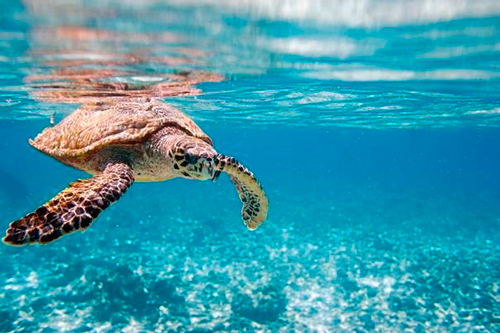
(119, 143)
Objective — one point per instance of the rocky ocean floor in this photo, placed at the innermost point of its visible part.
(369, 263)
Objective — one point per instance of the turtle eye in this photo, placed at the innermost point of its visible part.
(191, 159)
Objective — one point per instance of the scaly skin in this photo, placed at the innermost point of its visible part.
(73, 209)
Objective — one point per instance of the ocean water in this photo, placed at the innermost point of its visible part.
(373, 126)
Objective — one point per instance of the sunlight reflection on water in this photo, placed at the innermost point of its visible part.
(386, 54)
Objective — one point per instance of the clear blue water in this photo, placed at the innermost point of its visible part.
(374, 127)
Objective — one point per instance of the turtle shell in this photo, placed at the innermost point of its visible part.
(96, 125)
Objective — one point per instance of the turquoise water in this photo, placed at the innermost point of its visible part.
(373, 126)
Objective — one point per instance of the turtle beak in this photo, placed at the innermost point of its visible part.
(215, 175)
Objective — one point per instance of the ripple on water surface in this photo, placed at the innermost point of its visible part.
(419, 65)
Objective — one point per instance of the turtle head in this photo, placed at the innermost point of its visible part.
(194, 158)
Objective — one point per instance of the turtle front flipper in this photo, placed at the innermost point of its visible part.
(73, 209)
(252, 195)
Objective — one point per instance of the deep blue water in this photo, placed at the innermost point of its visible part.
(374, 128)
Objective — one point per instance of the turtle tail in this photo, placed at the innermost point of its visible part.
(73, 209)
(251, 194)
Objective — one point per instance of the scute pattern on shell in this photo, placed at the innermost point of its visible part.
(93, 126)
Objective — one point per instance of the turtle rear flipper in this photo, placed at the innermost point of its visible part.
(252, 195)
(72, 209)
